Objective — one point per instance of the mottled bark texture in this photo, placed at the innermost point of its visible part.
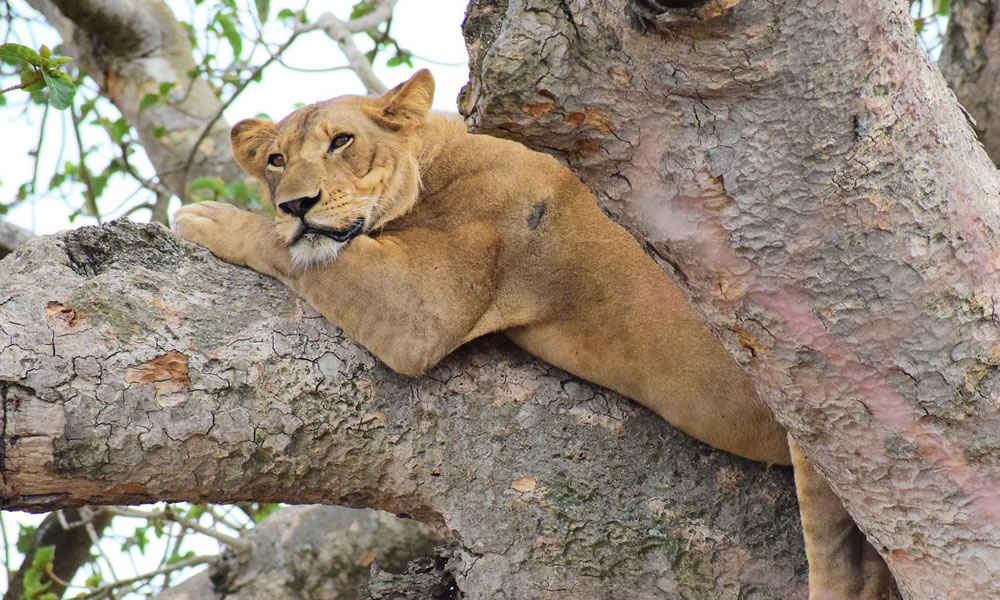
(136, 367)
(970, 62)
(132, 48)
(311, 552)
(806, 172)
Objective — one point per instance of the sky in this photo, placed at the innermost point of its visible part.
(431, 30)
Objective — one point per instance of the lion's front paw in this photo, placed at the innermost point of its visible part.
(222, 228)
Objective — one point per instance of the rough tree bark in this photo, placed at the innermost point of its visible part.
(970, 62)
(807, 173)
(136, 367)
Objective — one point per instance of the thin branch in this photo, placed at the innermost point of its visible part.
(170, 515)
(38, 149)
(343, 34)
(95, 541)
(107, 589)
(381, 12)
(88, 182)
(34, 80)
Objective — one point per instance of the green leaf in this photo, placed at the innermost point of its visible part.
(119, 129)
(265, 511)
(61, 89)
(361, 9)
(944, 6)
(263, 7)
(159, 132)
(176, 558)
(166, 86)
(43, 556)
(286, 13)
(26, 534)
(140, 539)
(16, 54)
(94, 581)
(148, 100)
(208, 183)
(232, 35)
(45, 51)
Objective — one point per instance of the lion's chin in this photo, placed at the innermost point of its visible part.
(313, 249)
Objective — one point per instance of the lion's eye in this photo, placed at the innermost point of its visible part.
(276, 160)
(340, 140)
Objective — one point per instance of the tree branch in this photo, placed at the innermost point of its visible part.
(136, 367)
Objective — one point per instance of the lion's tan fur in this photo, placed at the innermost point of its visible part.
(475, 234)
(469, 235)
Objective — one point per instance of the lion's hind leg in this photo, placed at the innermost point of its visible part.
(842, 564)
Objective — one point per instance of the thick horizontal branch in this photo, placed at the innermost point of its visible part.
(136, 367)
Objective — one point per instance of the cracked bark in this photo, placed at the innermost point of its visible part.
(807, 173)
(136, 367)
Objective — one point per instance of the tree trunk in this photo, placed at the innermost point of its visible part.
(808, 175)
(135, 367)
(970, 62)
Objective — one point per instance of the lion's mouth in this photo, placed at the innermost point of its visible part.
(338, 235)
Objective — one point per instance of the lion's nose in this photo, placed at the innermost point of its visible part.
(300, 206)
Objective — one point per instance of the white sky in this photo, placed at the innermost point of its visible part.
(431, 30)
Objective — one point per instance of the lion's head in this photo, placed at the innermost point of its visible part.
(337, 169)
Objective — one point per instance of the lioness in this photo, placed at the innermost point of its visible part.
(415, 236)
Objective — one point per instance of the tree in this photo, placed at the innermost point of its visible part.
(829, 209)
(803, 171)
(969, 64)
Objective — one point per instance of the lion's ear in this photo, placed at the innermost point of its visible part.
(251, 138)
(407, 104)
